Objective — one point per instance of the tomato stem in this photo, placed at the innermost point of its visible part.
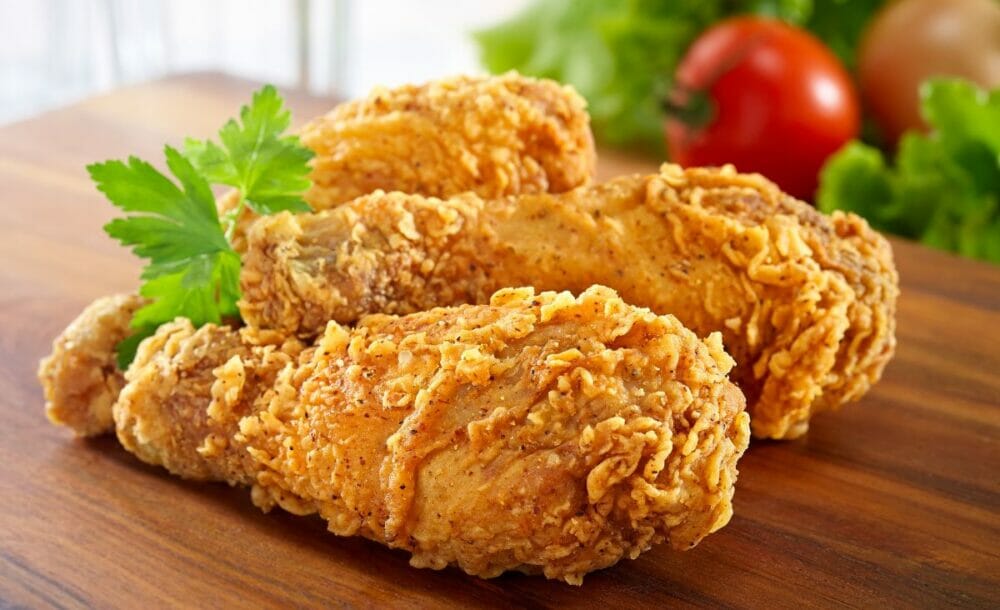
(693, 108)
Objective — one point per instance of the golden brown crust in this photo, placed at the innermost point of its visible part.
(806, 302)
(540, 432)
(491, 135)
(384, 253)
(187, 389)
(80, 378)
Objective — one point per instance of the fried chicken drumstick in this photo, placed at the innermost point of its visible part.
(542, 433)
(490, 135)
(80, 378)
(806, 302)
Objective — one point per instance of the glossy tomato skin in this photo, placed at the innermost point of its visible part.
(781, 102)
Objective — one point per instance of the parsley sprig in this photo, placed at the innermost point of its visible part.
(192, 269)
(269, 171)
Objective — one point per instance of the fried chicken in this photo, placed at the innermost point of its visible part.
(806, 302)
(491, 135)
(179, 408)
(495, 136)
(80, 379)
(542, 433)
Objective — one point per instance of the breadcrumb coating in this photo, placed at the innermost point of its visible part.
(491, 135)
(187, 385)
(541, 432)
(80, 378)
(806, 302)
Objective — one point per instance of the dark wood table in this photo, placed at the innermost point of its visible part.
(894, 501)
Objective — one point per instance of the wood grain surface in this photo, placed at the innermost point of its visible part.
(895, 501)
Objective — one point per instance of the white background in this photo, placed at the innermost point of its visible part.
(53, 52)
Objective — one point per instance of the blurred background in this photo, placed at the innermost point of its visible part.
(887, 109)
(53, 52)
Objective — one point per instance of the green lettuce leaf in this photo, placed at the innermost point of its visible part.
(944, 187)
(621, 55)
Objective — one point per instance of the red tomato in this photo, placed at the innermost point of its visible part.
(779, 103)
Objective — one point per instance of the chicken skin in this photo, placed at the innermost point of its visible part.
(80, 379)
(541, 432)
(491, 135)
(806, 302)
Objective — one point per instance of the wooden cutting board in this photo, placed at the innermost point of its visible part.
(894, 501)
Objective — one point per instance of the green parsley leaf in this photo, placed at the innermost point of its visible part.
(126, 349)
(168, 226)
(270, 170)
(192, 270)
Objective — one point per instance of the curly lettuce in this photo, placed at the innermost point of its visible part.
(944, 187)
(621, 55)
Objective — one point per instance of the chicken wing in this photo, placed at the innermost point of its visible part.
(80, 379)
(541, 432)
(806, 302)
(491, 135)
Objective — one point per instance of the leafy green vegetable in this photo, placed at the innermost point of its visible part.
(269, 170)
(839, 24)
(621, 54)
(192, 270)
(944, 188)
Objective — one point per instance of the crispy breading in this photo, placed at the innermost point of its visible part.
(80, 378)
(806, 302)
(170, 412)
(491, 135)
(542, 433)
